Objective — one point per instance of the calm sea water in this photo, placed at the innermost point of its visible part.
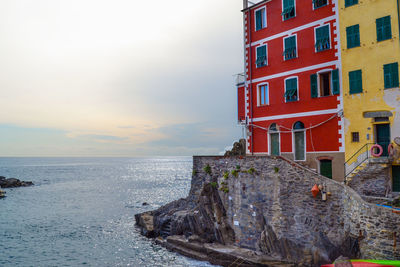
(81, 210)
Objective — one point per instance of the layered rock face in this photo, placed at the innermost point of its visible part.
(265, 205)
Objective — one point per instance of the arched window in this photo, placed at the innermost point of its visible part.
(299, 141)
(274, 143)
(298, 126)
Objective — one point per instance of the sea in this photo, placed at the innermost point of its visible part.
(80, 212)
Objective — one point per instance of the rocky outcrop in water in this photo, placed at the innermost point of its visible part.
(13, 182)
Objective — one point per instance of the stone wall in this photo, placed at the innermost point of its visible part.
(271, 210)
(373, 180)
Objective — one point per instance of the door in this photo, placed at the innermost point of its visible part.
(396, 178)
(274, 139)
(325, 168)
(299, 145)
(383, 137)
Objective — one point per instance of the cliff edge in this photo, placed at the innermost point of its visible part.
(259, 211)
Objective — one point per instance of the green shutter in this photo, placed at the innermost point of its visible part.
(353, 36)
(322, 40)
(396, 178)
(355, 81)
(314, 85)
(291, 89)
(350, 2)
(391, 75)
(395, 74)
(290, 48)
(259, 19)
(383, 29)
(335, 82)
(261, 56)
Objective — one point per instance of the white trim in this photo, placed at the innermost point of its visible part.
(291, 72)
(329, 34)
(259, 95)
(291, 31)
(264, 18)
(266, 55)
(294, 1)
(297, 87)
(284, 48)
(297, 115)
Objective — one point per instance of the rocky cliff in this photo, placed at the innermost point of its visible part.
(262, 209)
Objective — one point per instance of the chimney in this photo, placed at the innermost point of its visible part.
(245, 4)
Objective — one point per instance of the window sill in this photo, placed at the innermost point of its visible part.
(318, 7)
(378, 41)
(283, 19)
(396, 87)
(260, 29)
(353, 47)
(317, 51)
(287, 59)
(355, 93)
(258, 67)
(263, 105)
(291, 101)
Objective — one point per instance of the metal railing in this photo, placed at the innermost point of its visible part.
(363, 154)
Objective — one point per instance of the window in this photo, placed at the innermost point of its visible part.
(391, 75)
(261, 19)
(355, 137)
(350, 3)
(290, 47)
(288, 9)
(353, 36)
(383, 29)
(291, 89)
(322, 41)
(319, 3)
(263, 94)
(355, 81)
(299, 141)
(325, 83)
(261, 56)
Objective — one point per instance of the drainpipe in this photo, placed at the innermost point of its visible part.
(398, 15)
(250, 84)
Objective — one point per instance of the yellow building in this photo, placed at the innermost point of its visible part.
(370, 56)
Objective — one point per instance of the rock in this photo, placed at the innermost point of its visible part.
(238, 149)
(13, 182)
(146, 223)
(145, 204)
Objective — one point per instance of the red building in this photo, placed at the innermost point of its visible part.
(290, 99)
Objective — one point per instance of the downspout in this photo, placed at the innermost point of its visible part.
(250, 84)
(398, 15)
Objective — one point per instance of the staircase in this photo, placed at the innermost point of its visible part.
(359, 161)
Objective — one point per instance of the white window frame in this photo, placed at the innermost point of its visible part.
(264, 18)
(297, 52)
(330, 37)
(319, 81)
(259, 94)
(295, 8)
(266, 52)
(294, 145)
(284, 86)
(269, 139)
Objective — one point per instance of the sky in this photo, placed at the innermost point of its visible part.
(119, 77)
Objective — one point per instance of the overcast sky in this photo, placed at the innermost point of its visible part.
(118, 77)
